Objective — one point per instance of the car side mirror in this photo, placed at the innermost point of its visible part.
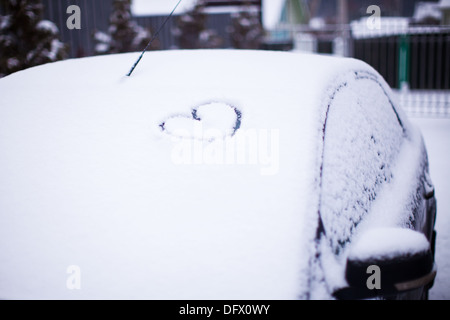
(387, 261)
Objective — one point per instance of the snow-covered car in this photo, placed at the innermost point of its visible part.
(211, 174)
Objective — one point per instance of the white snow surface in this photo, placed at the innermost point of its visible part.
(213, 120)
(444, 4)
(389, 26)
(370, 170)
(159, 7)
(361, 145)
(88, 177)
(425, 10)
(272, 10)
(4, 22)
(388, 243)
(48, 26)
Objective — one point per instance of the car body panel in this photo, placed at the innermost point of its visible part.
(123, 178)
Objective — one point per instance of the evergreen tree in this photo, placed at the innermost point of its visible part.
(25, 39)
(246, 30)
(191, 30)
(124, 34)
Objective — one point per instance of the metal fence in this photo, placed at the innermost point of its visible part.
(414, 60)
(425, 103)
(94, 16)
(418, 56)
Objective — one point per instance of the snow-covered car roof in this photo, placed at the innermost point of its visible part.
(194, 178)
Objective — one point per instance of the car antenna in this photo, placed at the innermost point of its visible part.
(152, 39)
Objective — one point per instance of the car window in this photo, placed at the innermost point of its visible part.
(362, 138)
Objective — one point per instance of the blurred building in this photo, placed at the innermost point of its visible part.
(408, 45)
(444, 6)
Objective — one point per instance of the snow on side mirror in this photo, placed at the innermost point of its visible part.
(387, 261)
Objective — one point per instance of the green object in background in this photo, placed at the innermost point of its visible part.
(403, 61)
(295, 12)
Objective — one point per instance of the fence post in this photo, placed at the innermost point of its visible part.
(403, 61)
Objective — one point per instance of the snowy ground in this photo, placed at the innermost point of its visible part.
(436, 133)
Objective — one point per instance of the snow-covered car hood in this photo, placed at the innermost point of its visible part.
(195, 178)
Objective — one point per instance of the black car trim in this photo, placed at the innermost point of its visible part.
(417, 283)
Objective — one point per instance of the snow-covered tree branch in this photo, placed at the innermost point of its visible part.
(25, 39)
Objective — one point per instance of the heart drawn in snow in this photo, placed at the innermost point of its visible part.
(207, 122)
